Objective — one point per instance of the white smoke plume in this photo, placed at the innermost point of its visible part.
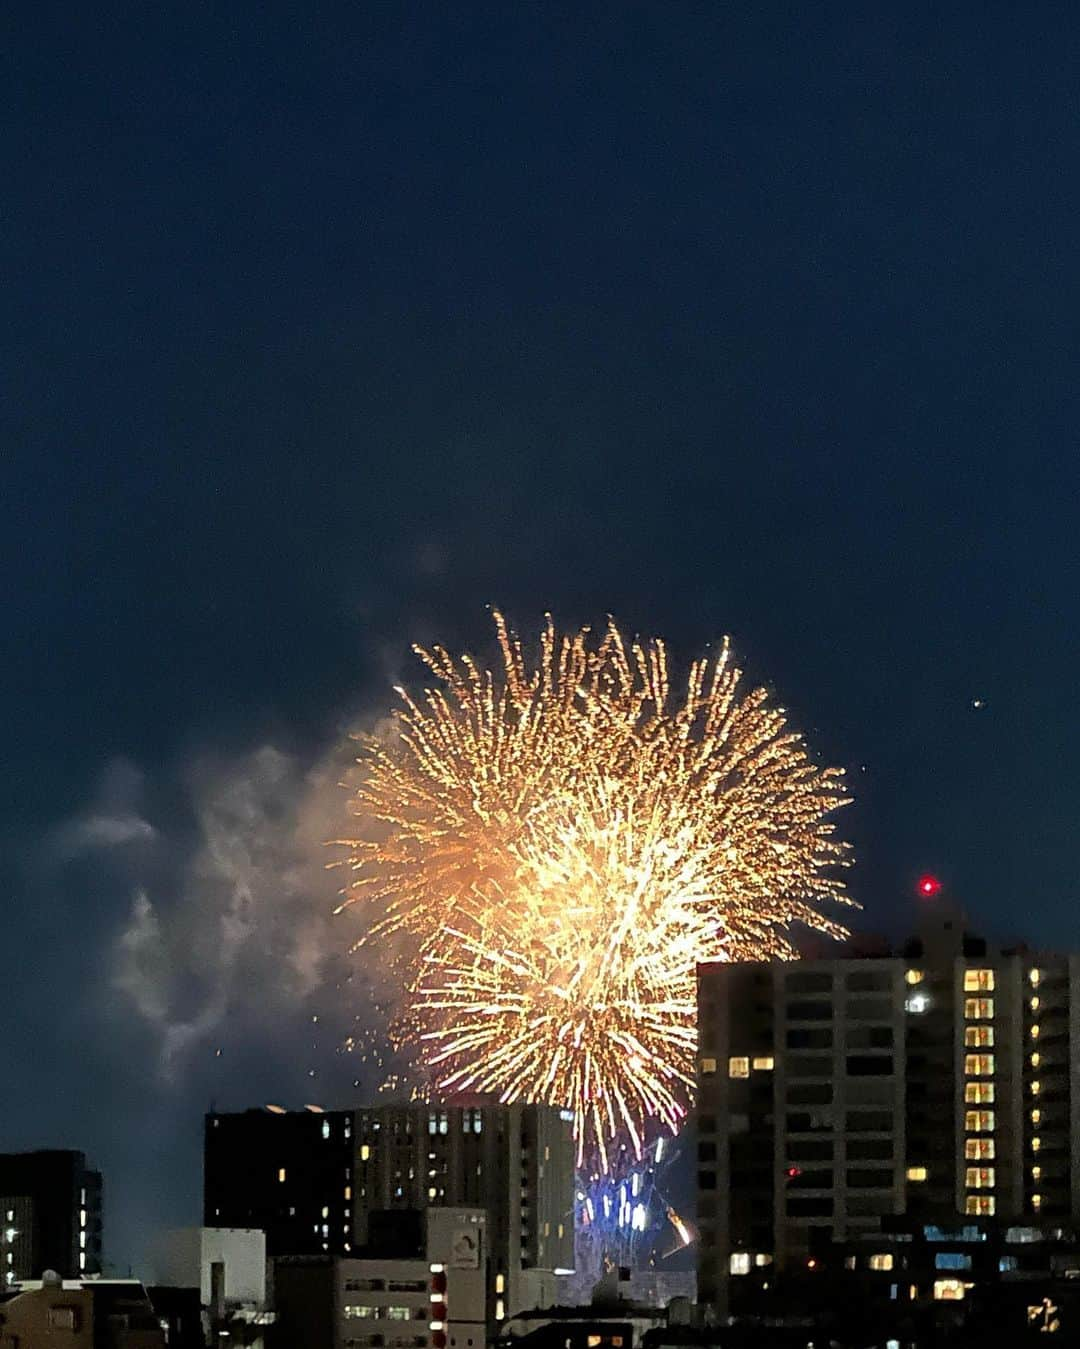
(247, 931)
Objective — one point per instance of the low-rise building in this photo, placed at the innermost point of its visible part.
(55, 1313)
(401, 1293)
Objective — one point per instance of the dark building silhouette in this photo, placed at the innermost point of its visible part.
(50, 1204)
(289, 1174)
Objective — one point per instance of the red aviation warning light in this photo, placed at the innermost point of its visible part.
(929, 886)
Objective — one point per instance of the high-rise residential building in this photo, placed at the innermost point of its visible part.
(515, 1161)
(50, 1204)
(288, 1173)
(937, 1081)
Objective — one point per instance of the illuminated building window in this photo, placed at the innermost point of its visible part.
(979, 1121)
(1036, 1059)
(916, 1173)
(739, 1262)
(978, 1065)
(1036, 1202)
(1035, 1032)
(978, 1037)
(765, 1064)
(708, 1066)
(979, 1178)
(1036, 1115)
(1036, 1087)
(979, 1206)
(914, 976)
(348, 1191)
(365, 1152)
(881, 1261)
(738, 1067)
(948, 1290)
(978, 1093)
(978, 1009)
(1036, 1143)
(978, 981)
(1034, 1003)
(762, 1259)
(281, 1176)
(1034, 977)
(1036, 1173)
(979, 1149)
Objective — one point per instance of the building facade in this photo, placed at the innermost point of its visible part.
(51, 1206)
(515, 1161)
(935, 1081)
(433, 1299)
(286, 1173)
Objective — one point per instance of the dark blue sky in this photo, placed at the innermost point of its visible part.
(326, 326)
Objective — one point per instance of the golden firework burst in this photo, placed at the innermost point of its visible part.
(562, 843)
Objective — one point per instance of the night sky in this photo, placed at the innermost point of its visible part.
(327, 327)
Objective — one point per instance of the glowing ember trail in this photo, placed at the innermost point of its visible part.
(561, 845)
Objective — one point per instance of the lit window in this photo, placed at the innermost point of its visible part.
(326, 1128)
(594, 1341)
(1034, 977)
(1036, 1143)
(979, 1121)
(978, 1065)
(917, 1003)
(762, 1259)
(1036, 1115)
(82, 1217)
(948, 1290)
(881, 1261)
(979, 1206)
(708, 1066)
(1035, 1060)
(978, 1093)
(739, 1262)
(82, 1240)
(1034, 1003)
(1036, 1173)
(979, 1178)
(978, 1037)
(978, 1009)
(1035, 1032)
(365, 1152)
(738, 1067)
(979, 1149)
(765, 1064)
(82, 1259)
(978, 981)
(500, 1309)
(1036, 1202)
(916, 1173)
(914, 976)
(325, 1212)
(348, 1191)
(500, 1283)
(1036, 1087)
(952, 1260)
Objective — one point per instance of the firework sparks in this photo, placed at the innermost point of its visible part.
(560, 845)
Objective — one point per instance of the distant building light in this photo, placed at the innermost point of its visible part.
(917, 1003)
